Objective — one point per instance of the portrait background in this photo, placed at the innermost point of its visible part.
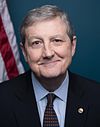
(85, 16)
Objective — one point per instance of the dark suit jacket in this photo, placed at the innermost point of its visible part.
(18, 105)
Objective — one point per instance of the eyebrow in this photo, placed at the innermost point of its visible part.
(34, 37)
(57, 36)
(38, 37)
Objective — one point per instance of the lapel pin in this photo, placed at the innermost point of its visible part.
(80, 110)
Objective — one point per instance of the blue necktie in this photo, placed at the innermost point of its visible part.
(50, 117)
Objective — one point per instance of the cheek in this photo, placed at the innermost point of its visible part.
(65, 51)
(33, 56)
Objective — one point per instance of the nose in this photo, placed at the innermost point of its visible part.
(48, 51)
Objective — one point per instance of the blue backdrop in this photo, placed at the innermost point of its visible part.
(85, 15)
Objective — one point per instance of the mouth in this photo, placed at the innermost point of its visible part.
(49, 63)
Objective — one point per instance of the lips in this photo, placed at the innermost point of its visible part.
(49, 63)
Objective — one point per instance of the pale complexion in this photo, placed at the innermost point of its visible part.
(48, 50)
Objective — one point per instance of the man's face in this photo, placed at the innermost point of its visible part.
(48, 49)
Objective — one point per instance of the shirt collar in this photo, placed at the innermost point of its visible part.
(41, 92)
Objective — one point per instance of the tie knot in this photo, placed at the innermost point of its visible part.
(50, 99)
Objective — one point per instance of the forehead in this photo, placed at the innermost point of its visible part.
(56, 25)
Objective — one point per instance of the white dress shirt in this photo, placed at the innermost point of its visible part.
(59, 103)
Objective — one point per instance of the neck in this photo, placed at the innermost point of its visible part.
(51, 84)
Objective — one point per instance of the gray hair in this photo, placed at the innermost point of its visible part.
(46, 12)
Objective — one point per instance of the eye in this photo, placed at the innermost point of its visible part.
(37, 44)
(58, 42)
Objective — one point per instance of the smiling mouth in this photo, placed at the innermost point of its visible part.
(49, 63)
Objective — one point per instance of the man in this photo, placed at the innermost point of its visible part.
(48, 44)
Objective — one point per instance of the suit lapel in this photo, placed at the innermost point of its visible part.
(25, 107)
(77, 108)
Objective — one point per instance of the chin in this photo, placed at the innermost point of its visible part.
(50, 75)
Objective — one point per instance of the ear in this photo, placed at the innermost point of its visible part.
(23, 51)
(73, 45)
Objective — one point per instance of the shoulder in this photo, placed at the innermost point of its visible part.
(12, 89)
(89, 86)
(10, 85)
(82, 79)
